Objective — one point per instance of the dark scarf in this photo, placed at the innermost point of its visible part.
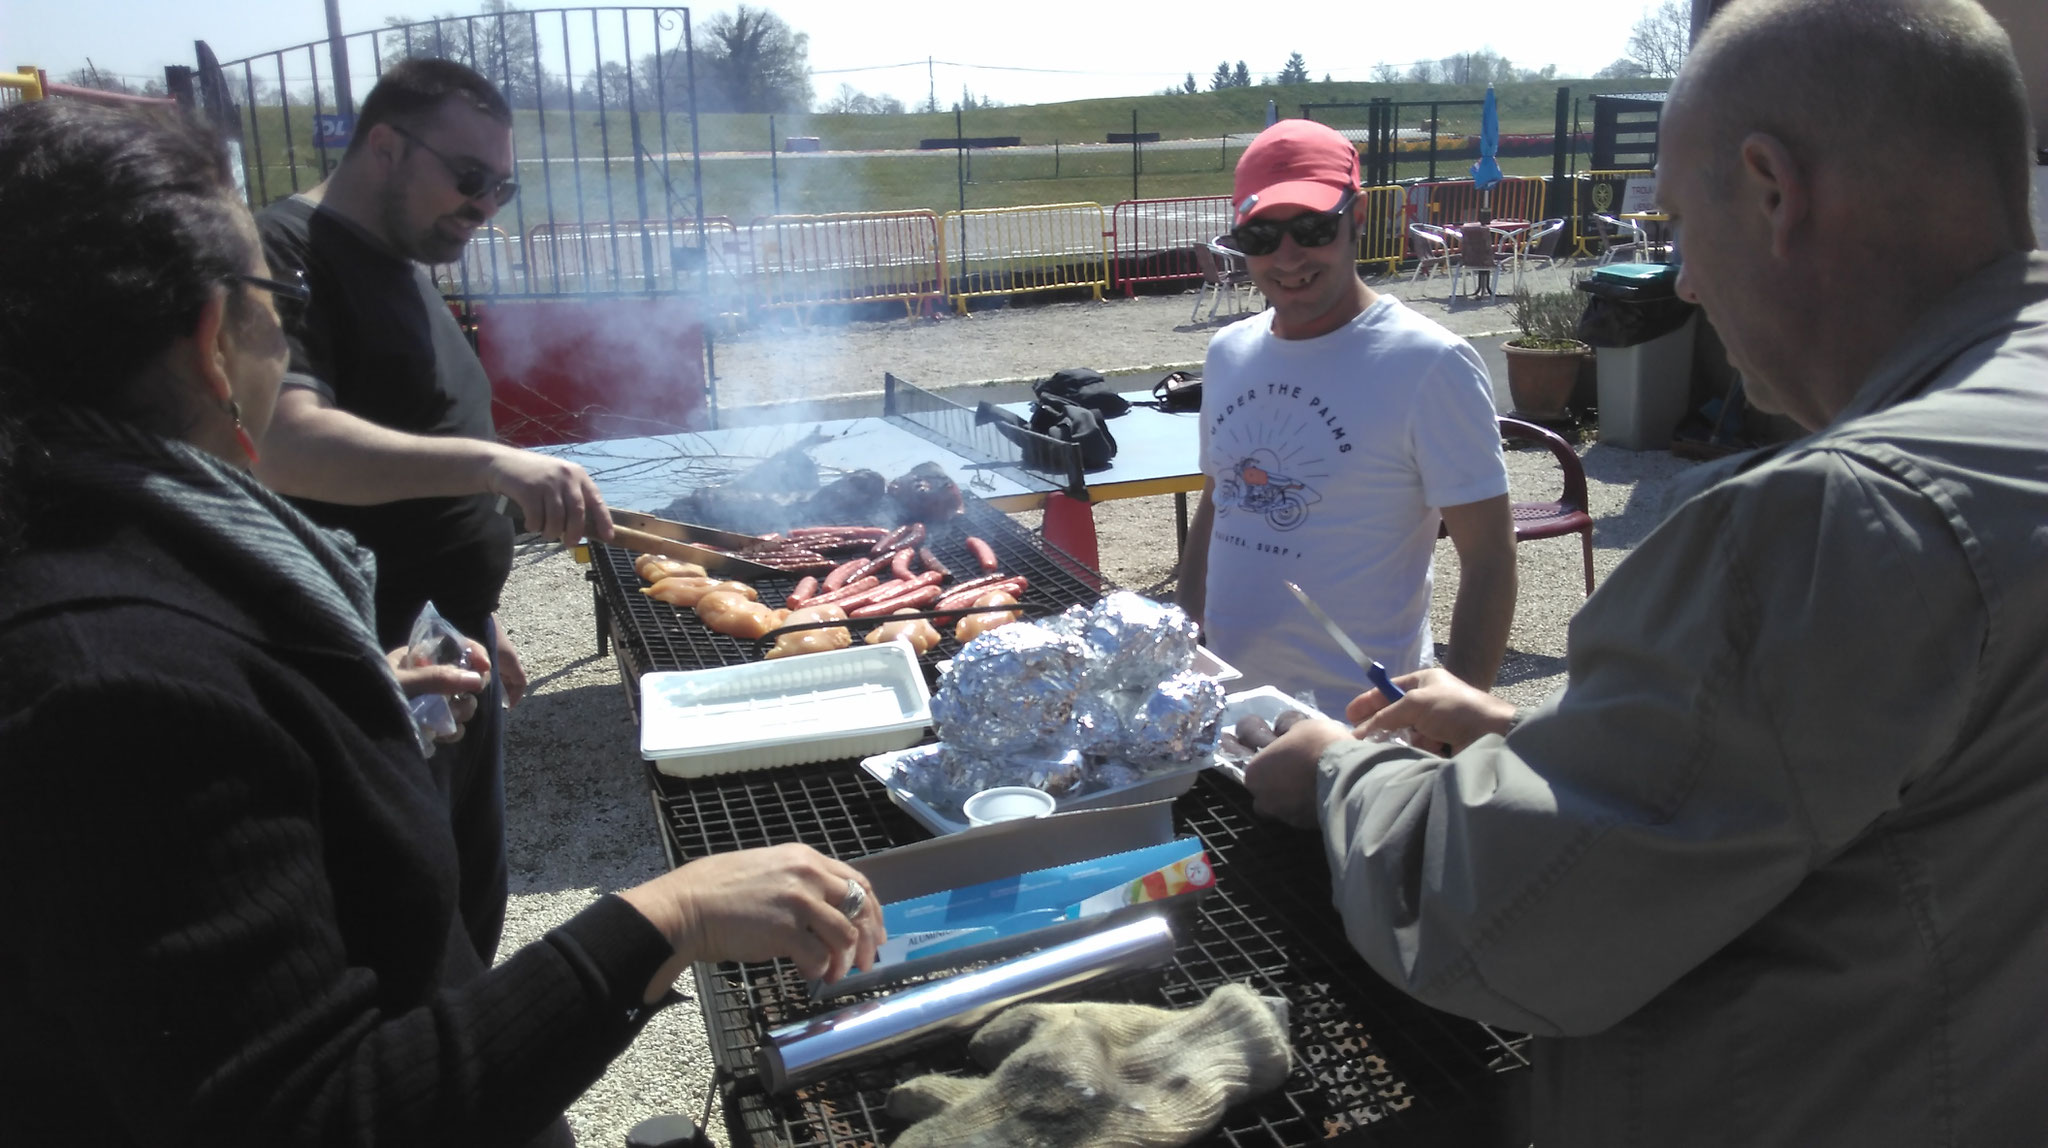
(293, 576)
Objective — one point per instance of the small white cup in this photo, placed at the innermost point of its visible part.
(1007, 803)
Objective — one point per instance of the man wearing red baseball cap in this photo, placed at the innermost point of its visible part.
(1338, 429)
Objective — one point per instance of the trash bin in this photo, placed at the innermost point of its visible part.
(1642, 335)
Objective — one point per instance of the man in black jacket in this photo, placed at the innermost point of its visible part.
(384, 425)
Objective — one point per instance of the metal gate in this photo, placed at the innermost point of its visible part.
(604, 136)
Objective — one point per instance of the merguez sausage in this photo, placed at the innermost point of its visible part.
(890, 589)
(917, 598)
(900, 565)
(841, 573)
(984, 554)
(803, 592)
(931, 561)
(847, 591)
(965, 595)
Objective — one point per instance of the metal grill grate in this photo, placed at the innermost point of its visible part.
(1372, 1065)
(653, 635)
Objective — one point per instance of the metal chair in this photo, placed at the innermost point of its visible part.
(1612, 241)
(1432, 248)
(1569, 514)
(1475, 254)
(1542, 242)
(1223, 269)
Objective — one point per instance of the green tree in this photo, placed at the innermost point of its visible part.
(1221, 79)
(752, 61)
(1242, 77)
(1295, 71)
(1661, 39)
(498, 42)
(1189, 86)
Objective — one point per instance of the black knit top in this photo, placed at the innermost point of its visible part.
(227, 887)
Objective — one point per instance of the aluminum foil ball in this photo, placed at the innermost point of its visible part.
(1011, 692)
(1136, 643)
(1099, 720)
(1178, 723)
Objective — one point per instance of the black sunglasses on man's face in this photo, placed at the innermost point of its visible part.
(1315, 229)
(472, 181)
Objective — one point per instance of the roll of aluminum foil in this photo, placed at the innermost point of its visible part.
(798, 1054)
(1136, 643)
(1011, 692)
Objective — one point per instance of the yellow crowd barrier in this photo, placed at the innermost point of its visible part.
(1458, 201)
(1015, 250)
(1599, 193)
(1383, 232)
(26, 80)
(855, 257)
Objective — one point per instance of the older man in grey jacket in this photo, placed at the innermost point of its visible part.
(1765, 871)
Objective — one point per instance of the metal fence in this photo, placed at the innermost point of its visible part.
(1155, 239)
(604, 137)
(1021, 250)
(862, 257)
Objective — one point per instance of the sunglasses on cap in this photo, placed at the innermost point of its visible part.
(472, 181)
(1315, 229)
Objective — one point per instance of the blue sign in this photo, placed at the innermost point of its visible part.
(333, 130)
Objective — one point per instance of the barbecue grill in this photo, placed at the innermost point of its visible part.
(1373, 1066)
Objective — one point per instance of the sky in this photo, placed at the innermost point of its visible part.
(1037, 52)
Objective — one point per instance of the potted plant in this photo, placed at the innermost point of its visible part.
(1544, 358)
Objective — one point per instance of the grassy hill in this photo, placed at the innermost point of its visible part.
(595, 187)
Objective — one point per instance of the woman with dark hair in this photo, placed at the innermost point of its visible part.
(229, 894)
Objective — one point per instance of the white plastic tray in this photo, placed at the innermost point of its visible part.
(1159, 787)
(1263, 701)
(792, 711)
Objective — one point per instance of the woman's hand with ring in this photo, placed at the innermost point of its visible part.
(758, 904)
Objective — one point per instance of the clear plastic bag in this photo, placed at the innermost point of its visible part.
(434, 643)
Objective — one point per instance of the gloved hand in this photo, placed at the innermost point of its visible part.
(1101, 1075)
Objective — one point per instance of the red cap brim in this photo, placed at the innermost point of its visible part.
(1293, 198)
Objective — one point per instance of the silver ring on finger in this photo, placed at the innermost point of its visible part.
(856, 900)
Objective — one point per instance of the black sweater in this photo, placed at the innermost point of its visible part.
(227, 914)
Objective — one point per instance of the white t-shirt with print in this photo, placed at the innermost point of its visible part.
(1330, 457)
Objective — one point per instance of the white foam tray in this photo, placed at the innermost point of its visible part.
(1263, 701)
(792, 711)
(1160, 787)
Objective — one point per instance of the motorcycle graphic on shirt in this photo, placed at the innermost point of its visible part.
(1256, 486)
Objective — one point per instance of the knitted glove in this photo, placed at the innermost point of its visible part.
(1101, 1075)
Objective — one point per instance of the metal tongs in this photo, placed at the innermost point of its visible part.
(717, 551)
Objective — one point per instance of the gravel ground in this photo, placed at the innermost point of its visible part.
(577, 809)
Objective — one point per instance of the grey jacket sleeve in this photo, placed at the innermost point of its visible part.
(1748, 693)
